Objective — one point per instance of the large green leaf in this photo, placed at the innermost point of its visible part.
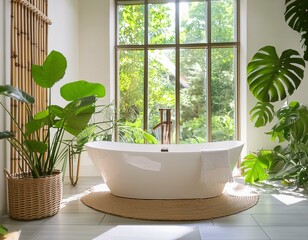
(286, 115)
(36, 146)
(292, 123)
(299, 130)
(79, 89)
(57, 111)
(255, 166)
(51, 71)
(15, 93)
(296, 15)
(262, 114)
(272, 78)
(76, 115)
(40, 120)
(3, 230)
(83, 137)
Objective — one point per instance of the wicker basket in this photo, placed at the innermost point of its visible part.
(34, 198)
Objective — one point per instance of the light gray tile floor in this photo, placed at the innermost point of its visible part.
(281, 213)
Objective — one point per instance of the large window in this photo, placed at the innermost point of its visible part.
(181, 55)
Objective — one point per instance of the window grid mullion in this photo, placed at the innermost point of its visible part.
(146, 67)
(177, 73)
(209, 76)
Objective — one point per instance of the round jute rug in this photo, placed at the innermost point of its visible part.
(235, 198)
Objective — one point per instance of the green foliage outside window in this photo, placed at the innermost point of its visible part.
(193, 68)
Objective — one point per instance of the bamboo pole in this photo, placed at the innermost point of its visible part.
(17, 81)
(13, 74)
(21, 69)
(29, 28)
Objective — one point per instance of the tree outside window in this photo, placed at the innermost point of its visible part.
(180, 55)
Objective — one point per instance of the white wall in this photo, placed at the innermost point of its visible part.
(96, 54)
(96, 43)
(4, 79)
(2, 146)
(265, 26)
(82, 31)
(63, 37)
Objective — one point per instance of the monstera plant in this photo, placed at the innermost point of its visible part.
(272, 78)
(296, 16)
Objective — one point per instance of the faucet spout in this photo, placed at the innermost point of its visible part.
(165, 125)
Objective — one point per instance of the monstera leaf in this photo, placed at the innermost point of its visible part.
(262, 114)
(292, 123)
(299, 129)
(296, 15)
(255, 166)
(272, 78)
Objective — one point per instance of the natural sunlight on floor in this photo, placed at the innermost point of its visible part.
(96, 188)
(165, 232)
(290, 198)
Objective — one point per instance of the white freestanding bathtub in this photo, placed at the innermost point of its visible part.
(155, 171)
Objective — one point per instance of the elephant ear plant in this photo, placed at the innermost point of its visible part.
(272, 78)
(42, 152)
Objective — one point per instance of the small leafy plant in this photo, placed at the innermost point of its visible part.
(3, 230)
(270, 79)
(42, 152)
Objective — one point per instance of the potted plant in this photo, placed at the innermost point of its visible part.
(43, 144)
(270, 79)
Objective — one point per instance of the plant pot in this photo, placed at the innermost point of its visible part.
(34, 198)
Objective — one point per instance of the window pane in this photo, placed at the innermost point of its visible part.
(193, 95)
(223, 20)
(196, 82)
(131, 74)
(223, 99)
(131, 24)
(162, 23)
(161, 86)
(193, 22)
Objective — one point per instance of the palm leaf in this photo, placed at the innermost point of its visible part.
(296, 15)
(262, 114)
(272, 78)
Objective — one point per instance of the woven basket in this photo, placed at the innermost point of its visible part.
(34, 198)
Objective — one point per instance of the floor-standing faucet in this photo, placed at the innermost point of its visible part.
(165, 125)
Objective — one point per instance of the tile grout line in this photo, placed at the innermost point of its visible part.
(260, 226)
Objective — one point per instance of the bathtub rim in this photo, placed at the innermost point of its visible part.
(172, 148)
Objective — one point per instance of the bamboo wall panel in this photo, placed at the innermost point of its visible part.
(29, 32)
